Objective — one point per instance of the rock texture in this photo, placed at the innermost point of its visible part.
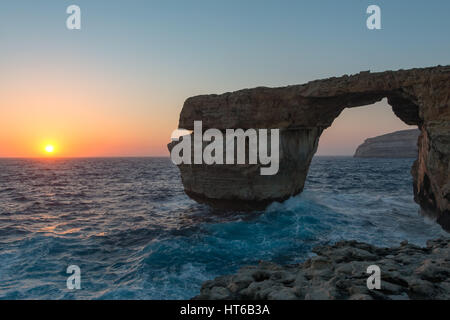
(339, 272)
(399, 144)
(241, 187)
(418, 97)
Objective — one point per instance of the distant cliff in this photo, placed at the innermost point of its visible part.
(399, 144)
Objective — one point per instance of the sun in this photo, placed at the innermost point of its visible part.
(49, 148)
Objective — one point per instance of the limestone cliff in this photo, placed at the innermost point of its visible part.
(399, 144)
(418, 97)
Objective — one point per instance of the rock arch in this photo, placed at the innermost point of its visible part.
(418, 97)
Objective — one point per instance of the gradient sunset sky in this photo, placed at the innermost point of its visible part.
(116, 87)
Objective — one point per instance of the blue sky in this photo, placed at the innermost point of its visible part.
(155, 54)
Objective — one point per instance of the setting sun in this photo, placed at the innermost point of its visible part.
(49, 148)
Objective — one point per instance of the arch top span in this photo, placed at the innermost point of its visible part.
(318, 102)
(418, 97)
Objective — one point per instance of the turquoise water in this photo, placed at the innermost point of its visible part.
(135, 235)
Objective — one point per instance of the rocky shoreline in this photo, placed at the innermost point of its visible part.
(339, 272)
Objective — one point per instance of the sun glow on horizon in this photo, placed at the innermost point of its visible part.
(49, 148)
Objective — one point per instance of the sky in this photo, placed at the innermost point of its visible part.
(116, 87)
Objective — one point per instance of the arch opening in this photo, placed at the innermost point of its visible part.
(354, 125)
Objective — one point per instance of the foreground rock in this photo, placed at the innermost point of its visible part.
(399, 144)
(339, 272)
(418, 97)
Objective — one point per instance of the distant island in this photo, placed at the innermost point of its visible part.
(399, 144)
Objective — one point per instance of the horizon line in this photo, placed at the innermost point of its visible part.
(121, 157)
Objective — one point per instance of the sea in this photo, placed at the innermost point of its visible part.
(134, 234)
